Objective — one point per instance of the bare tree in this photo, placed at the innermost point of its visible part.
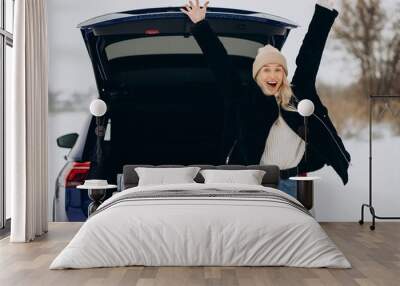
(369, 34)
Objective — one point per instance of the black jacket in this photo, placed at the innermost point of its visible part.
(249, 114)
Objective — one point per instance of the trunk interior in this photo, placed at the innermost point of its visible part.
(165, 109)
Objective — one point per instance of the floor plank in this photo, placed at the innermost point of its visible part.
(374, 255)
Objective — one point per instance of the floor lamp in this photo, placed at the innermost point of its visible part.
(305, 187)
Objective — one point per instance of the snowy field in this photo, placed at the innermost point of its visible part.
(333, 201)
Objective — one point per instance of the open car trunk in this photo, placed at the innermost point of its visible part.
(169, 111)
(163, 100)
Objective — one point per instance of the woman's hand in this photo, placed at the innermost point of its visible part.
(195, 12)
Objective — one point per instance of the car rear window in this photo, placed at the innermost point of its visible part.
(177, 45)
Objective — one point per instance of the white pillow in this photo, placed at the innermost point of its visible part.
(248, 177)
(164, 176)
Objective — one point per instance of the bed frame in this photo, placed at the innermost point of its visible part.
(270, 179)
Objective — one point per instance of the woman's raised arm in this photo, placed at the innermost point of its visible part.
(310, 54)
(214, 51)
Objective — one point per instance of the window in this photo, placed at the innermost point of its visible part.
(177, 45)
(6, 44)
(9, 19)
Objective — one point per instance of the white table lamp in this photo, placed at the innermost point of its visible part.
(98, 108)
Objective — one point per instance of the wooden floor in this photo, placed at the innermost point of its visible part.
(375, 257)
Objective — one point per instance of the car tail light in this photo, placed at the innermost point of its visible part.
(77, 174)
(152, 32)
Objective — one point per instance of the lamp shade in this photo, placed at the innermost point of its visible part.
(98, 107)
(305, 107)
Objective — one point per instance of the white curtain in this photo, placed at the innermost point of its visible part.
(26, 119)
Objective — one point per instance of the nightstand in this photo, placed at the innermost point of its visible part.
(96, 194)
(305, 190)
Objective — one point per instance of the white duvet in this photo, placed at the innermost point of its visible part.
(200, 231)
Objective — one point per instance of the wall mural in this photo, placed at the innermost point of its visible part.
(176, 93)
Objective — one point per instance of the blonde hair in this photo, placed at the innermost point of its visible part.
(284, 96)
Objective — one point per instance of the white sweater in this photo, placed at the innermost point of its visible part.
(283, 146)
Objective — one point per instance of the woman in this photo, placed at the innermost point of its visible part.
(261, 124)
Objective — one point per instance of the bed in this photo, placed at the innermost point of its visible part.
(201, 224)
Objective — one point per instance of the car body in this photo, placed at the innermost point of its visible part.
(163, 102)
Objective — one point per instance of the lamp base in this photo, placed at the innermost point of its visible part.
(97, 196)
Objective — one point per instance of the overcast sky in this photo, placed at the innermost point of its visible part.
(71, 70)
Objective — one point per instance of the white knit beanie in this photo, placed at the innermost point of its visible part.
(268, 55)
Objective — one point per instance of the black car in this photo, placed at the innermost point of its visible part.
(162, 99)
